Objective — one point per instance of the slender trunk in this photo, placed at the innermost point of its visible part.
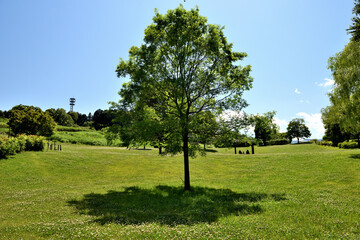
(298, 140)
(186, 160)
(235, 149)
(252, 148)
(204, 146)
(358, 139)
(144, 146)
(160, 148)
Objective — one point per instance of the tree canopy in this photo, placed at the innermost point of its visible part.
(354, 29)
(31, 121)
(265, 127)
(298, 129)
(184, 67)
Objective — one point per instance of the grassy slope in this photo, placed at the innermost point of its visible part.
(292, 191)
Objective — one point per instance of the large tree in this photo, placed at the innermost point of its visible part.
(31, 121)
(184, 67)
(345, 97)
(298, 129)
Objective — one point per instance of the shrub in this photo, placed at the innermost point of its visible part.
(278, 142)
(325, 143)
(348, 145)
(12, 145)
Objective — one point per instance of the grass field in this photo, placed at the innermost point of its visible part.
(89, 192)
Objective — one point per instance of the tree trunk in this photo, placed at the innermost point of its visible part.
(252, 148)
(160, 148)
(204, 146)
(358, 139)
(235, 150)
(186, 160)
(298, 140)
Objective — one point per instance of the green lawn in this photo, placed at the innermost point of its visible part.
(92, 192)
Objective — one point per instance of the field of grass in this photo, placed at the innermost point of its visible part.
(81, 135)
(89, 192)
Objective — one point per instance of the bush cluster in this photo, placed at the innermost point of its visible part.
(348, 144)
(278, 142)
(324, 143)
(13, 145)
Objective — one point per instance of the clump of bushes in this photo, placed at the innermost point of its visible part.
(278, 142)
(13, 145)
(325, 143)
(348, 144)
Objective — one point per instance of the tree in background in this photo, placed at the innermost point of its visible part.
(332, 117)
(82, 119)
(102, 118)
(185, 67)
(74, 116)
(265, 127)
(354, 29)
(298, 129)
(61, 117)
(31, 121)
(205, 128)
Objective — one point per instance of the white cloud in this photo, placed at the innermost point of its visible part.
(297, 91)
(283, 124)
(328, 82)
(228, 114)
(314, 123)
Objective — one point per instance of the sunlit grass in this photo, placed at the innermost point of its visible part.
(92, 192)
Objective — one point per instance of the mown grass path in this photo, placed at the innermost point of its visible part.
(88, 192)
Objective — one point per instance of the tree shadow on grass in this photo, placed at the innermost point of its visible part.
(355, 156)
(210, 150)
(170, 205)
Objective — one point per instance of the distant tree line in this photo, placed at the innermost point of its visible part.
(32, 120)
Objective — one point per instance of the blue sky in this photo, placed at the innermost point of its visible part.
(53, 50)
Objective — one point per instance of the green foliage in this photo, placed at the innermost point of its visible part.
(184, 67)
(71, 129)
(278, 141)
(103, 118)
(345, 97)
(74, 116)
(348, 145)
(325, 143)
(265, 128)
(61, 117)
(298, 129)
(13, 145)
(31, 121)
(354, 29)
(80, 137)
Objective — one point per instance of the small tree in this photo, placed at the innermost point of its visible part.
(298, 129)
(184, 67)
(265, 128)
(60, 116)
(31, 121)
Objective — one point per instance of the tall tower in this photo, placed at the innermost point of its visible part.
(72, 103)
